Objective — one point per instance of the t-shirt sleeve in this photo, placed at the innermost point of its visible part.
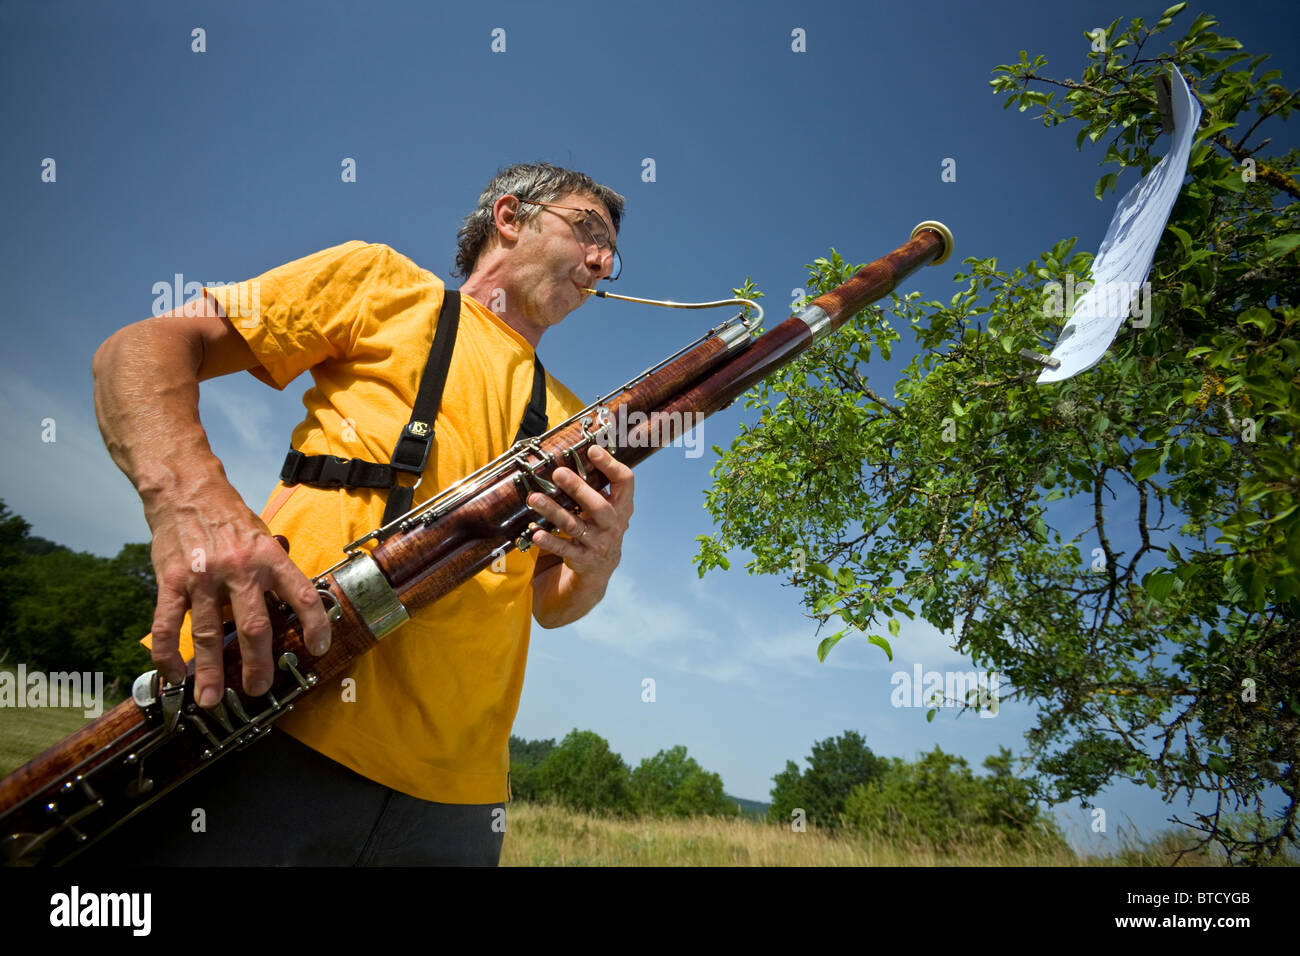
(303, 312)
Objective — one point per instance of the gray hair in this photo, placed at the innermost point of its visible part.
(540, 182)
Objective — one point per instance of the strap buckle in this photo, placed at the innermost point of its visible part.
(292, 466)
(412, 451)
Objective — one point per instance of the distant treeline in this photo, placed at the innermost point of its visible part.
(65, 610)
(936, 801)
(583, 773)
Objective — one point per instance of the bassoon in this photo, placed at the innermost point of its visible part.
(89, 784)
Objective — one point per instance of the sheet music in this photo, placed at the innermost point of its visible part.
(1122, 264)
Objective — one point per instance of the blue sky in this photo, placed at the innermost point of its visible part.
(222, 164)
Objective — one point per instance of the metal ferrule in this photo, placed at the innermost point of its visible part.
(735, 336)
(370, 593)
(818, 322)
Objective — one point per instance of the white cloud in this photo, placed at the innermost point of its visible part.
(633, 621)
(248, 431)
(723, 671)
(246, 412)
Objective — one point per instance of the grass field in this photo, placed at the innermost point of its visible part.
(554, 836)
(25, 732)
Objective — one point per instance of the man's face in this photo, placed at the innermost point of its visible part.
(555, 257)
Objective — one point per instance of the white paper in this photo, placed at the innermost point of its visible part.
(1123, 262)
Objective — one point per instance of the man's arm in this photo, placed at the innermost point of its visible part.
(146, 399)
(566, 591)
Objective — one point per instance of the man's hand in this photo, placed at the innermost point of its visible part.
(594, 545)
(210, 551)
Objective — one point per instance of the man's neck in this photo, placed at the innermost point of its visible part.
(487, 292)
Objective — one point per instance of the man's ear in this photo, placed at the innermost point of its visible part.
(505, 212)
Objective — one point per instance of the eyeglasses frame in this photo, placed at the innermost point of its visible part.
(616, 256)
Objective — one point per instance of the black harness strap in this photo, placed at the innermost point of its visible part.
(412, 450)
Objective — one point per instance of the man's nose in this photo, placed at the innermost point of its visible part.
(600, 261)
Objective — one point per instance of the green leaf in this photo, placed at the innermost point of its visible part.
(1184, 239)
(1259, 317)
(1217, 764)
(825, 646)
(882, 643)
(1158, 584)
(929, 714)
(1207, 132)
(1079, 470)
(893, 626)
(1146, 463)
(1106, 182)
(1281, 245)
(821, 570)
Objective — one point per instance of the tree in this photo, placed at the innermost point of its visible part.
(1162, 643)
(525, 755)
(938, 801)
(672, 784)
(836, 766)
(13, 581)
(71, 610)
(583, 773)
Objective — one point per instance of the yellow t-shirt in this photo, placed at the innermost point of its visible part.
(432, 706)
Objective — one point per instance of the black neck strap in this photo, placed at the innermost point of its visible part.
(411, 453)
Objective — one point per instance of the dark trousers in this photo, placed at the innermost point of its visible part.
(280, 803)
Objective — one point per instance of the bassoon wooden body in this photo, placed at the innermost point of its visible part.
(84, 787)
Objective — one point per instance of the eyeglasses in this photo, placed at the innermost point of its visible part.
(597, 232)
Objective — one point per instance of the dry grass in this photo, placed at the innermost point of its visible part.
(553, 836)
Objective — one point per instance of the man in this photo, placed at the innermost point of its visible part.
(406, 761)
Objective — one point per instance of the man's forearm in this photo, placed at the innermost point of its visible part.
(146, 401)
(562, 596)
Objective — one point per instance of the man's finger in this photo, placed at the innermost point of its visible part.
(253, 624)
(301, 595)
(621, 479)
(167, 620)
(554, 544)
(205, 627)
(586, 498)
